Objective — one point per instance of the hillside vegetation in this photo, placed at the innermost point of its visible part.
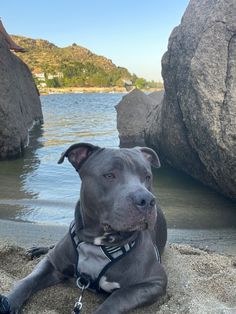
(73, 66)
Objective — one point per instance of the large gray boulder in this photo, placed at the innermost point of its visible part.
(195, 128)
(20, 105)
(133, 112)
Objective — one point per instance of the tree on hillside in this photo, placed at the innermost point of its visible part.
(140, 83)
(98, 79)
(54, 82)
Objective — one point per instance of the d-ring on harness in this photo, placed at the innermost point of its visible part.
(83, 284)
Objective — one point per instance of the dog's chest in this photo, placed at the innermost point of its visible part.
(93, 262)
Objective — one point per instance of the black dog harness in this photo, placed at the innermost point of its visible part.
(94, 260)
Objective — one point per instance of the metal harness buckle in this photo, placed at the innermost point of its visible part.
(83, 284)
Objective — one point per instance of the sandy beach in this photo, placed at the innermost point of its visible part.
(200, 281)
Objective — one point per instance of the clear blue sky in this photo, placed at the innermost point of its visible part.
(133, 33)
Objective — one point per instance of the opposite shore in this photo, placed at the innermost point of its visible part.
(80, 90)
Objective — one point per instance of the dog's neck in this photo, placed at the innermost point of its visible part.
(90, 231)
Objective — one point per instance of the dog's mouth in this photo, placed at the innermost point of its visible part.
(128, 231)
(108, 229)
(124, 233)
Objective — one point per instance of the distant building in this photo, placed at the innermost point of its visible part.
(40, 76)
(58, 75)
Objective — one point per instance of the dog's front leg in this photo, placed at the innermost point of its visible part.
(44, 275)
(126, 299)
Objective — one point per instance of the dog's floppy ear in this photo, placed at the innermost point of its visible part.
(151, 156)
(78, 153)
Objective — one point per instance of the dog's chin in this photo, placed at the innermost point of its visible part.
(127, 230)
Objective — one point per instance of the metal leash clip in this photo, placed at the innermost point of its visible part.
(83, 284)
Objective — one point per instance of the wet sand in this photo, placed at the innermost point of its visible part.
(199, 281)
(25, 235)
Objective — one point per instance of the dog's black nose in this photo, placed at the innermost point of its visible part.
(143, 199)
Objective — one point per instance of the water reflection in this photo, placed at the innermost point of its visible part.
(14, 175)
(36, 188)
(189, 204)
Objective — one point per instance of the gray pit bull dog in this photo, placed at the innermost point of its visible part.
(116, 239)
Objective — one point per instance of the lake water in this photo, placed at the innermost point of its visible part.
(35, 188)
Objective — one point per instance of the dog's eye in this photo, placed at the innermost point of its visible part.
(109, 175)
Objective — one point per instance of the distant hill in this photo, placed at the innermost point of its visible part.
(74, 65)
(71, 66)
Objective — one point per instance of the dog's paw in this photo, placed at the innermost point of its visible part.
(4, 305)
(37, 251)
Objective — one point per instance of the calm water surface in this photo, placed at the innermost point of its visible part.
(35, 188)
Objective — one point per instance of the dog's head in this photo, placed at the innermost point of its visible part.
(116, 188)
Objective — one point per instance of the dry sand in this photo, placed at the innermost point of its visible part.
(199, 282)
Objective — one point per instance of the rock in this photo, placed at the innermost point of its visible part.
(195, 127)
(157, 96)
(20, 105)
(132, 114)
